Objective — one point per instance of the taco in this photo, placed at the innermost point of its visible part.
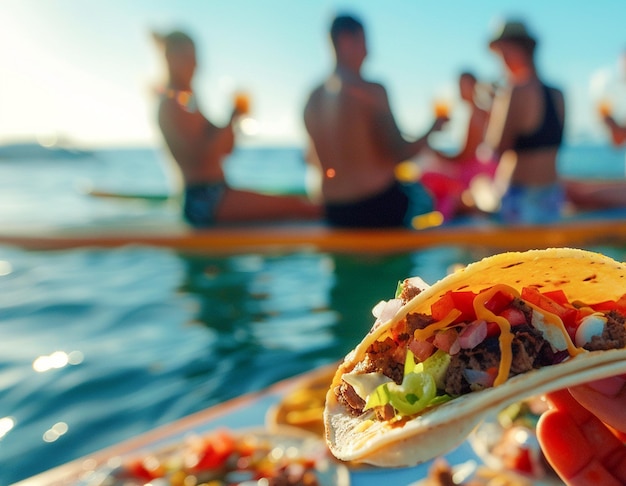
(439, 358)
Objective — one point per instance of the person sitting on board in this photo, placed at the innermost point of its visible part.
(525, 132)
(449, 177)
(356, 144)
(617, 130)
(199, 147)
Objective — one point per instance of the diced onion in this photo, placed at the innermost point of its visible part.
(474, 334)
(478, 377)
(385, 310)
(551, 333)
(589, 327)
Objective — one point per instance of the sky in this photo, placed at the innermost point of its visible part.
(86, 70)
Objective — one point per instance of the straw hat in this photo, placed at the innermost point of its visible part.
(512, 31)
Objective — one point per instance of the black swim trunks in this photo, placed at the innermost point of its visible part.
(201, 203)
(396, 206)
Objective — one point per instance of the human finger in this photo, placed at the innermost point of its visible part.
(578, 445)
(569, 450)
(606, 399)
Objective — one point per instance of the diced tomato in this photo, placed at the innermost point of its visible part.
(604, 306)
(567, 313)
(515, 316)
(448, 341)
(421, 349)
(462, 301)
(608, 305)
(215, 451)
(621, 304)
(557, 296)
(493, 329)
(137, 469)
(498, 302)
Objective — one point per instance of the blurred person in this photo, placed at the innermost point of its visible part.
(583, 435)
(199, 148)
(525, 132)
(451, 176)
(356, 144)
(616, 129)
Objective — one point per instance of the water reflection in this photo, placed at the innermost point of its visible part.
(157, 335)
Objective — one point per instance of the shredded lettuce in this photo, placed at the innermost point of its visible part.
(399, 288)
(419, 387)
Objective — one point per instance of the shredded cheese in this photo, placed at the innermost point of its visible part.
(506, 336)
(428, 331)
(365, 383)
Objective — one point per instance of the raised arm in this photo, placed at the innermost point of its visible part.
(387, 133)
(191, 138)
(618, 132)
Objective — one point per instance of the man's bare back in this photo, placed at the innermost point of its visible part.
(356, 144)
(354, 136)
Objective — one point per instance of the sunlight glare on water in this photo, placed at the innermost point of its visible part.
(6, 424)
(5, 268)
(57, 360)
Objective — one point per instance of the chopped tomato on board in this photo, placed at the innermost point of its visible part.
(216, 449)
(138, 469)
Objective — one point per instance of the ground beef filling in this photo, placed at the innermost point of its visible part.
(530, 351)
(613, 336)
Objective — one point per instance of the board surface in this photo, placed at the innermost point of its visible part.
(270, 238)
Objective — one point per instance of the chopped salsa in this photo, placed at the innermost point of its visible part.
(474, 340)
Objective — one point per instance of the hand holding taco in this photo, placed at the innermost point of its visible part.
(504, 328)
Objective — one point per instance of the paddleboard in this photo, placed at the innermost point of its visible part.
(148, 196)
(298, 236)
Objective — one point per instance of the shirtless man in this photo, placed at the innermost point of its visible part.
(525, 131)
(356, 143)
(199, 147)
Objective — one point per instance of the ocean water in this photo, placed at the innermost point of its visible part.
(97, 345)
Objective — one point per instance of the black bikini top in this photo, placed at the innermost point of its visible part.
(549, 133)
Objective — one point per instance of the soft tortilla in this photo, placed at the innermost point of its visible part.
(582, 275)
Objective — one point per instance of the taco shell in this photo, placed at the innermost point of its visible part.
(585, 276)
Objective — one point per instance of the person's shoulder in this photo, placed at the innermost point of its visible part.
(375, 93)
(317, 90)
(375, 88)
(314, 97)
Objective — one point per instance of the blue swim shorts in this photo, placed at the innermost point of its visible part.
(532, 204)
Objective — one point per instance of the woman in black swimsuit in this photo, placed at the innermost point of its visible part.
(525, 132)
